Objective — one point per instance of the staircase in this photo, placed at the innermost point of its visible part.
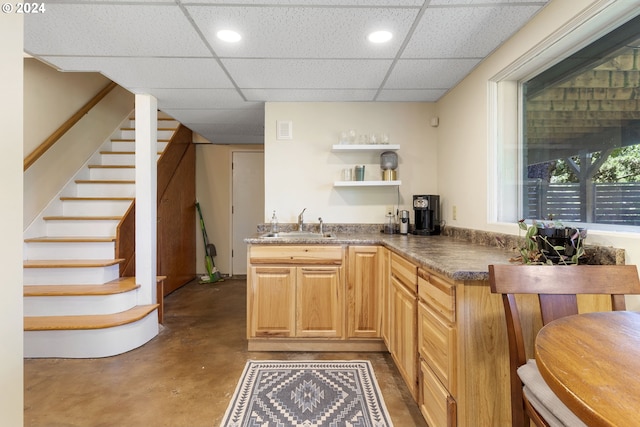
(75, 303)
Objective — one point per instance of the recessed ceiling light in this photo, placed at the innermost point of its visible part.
(228, 36)
(379, 36)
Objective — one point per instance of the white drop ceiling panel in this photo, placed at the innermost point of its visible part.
(292, 50)
(429, 73)
(311, 95)
(205, 99)
(316, 3)
(307, 73)
(139, 74)
(230, 116)
(309, 32)
(410, 95)
(465, 32)
(111, 30)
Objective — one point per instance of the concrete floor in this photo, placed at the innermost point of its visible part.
(184, 377)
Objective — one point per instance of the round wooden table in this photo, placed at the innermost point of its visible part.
(592, 362)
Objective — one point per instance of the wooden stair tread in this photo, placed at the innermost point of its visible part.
(82, 218)
(105, 181)
(159, 118)
(118, 286)
(70, 239)
(159, 129)
(133, 140)
(95, 321)
(91, 199)
(111, 167)
(70, 263)
(128, 153)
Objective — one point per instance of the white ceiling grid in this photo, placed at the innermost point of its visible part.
(291, 50)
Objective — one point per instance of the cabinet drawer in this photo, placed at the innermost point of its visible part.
(405, 271)
(437, 345)
(438, 294)
(436, 404)
(307, 255)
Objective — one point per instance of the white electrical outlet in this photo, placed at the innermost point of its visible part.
(454, 212)
(389, 209)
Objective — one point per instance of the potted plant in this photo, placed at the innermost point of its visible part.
(550, 243)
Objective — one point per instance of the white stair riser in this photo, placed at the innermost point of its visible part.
(70, 250)
(95, 207)
(129, 146)
(101, 228)
(79, 305)
(106, 190)
(162, 134)
(91, 343)
(71, 276)
(119, 146)
(119, 159)
(112, 173)
(166, 124)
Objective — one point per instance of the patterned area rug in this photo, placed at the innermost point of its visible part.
(294, 393)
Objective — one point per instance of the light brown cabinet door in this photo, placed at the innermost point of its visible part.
(363, 293)
(404, 347)
(437, 345)
(438, 407)
(319, 301)
(271, 302)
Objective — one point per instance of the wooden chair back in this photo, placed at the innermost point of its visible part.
(557, 288)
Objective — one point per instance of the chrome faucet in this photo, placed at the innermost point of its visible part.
(321, 225)
(301, 220)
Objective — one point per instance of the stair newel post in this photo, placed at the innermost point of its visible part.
(146, 136)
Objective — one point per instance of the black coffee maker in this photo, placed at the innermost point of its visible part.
(427, 215)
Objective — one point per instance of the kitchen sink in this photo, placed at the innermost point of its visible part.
(302, 235)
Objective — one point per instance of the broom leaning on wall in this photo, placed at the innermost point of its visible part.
(213, 275)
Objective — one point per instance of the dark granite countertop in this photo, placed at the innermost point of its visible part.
(453, 258)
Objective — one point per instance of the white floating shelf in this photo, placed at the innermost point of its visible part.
(365, 147)
(366, 183)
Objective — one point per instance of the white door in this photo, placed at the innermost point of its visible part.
(248, 203)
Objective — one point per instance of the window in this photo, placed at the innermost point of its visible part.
(580, 156)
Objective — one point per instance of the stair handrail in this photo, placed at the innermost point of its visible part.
(64, 128)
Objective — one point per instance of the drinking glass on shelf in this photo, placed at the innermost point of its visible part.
(363, 139)
(352, 136)
(344, 137)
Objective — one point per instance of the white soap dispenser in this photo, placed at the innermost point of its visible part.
(274, 223)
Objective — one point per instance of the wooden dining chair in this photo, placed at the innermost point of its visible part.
(557, 288)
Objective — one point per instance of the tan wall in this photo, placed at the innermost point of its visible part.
(51, 97)
(300, 173)
(11, 334)
(213, 191)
